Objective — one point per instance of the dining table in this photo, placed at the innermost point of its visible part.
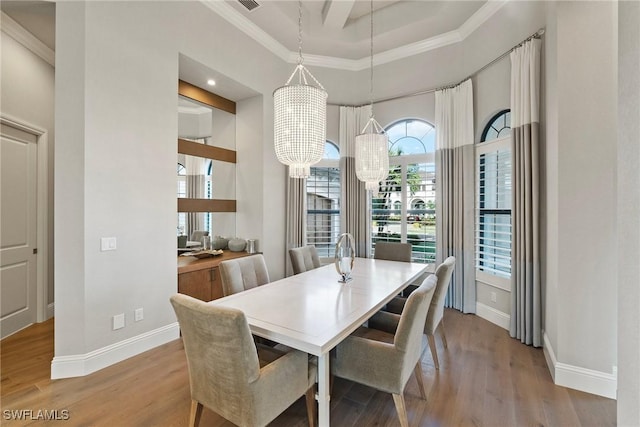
(313, 311)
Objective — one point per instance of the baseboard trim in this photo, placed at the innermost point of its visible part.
(83, 364)
(51, 310)
(578, 378)
(492, 315)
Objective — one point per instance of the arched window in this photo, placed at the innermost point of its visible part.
(411, 176)
(411, 136)
(323, 202)
(493, 202)
(331, 151)
(498, 127)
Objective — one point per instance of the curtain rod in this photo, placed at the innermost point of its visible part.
(538, 34)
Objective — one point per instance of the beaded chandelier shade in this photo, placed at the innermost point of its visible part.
(300, 116)
(372, 146)
(372, 156)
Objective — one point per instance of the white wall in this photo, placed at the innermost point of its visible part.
(583, 312)
(117, 86)
(27, 95)
(628, 213)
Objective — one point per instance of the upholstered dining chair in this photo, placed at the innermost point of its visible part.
(197, 235)
(248, 385)
(304, 259)
(244, 273)
(434, 318)
(386, 360)
(393, 251)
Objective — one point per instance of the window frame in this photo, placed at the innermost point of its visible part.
(402, 161)
(485, 147)
(327, 163)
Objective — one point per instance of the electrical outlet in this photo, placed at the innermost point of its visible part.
(138, 314)
(493, 297)
(118, 321)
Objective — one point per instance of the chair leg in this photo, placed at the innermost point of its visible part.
(398, 399)
(311, 405)
(432, 346)
(196, 413)
(418, 372)
(444, 338)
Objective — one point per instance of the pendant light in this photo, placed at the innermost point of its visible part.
(372, 145)
(300, 116)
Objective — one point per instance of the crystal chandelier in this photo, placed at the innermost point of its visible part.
(300, 112)
(372, 145)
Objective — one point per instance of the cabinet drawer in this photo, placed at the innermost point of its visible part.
(196, 284)
(216, 283)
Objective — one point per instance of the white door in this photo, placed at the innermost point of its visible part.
(18, 234)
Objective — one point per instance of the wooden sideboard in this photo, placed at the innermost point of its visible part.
(200, 278)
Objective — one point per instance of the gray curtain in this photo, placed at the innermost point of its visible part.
(526, 306)
(354, 218)
(296, 222)
(455, 172)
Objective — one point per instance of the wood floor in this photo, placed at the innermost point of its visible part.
(485, 379)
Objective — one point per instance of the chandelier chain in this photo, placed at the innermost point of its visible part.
(299, 31)
(371, 62)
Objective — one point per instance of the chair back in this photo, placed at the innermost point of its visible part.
(243, 273)
(221, 354)
(408, 336)
(443, 273)
(304, 259)
(197, 235)
(393, 251)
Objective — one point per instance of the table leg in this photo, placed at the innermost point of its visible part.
(323, 390)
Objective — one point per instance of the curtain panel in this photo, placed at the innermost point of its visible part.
(354, 218)
(455, 173)
(526, 296)
(296, 223)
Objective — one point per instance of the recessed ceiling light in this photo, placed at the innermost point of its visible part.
(211, 82)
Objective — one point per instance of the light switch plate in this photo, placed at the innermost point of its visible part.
(108, 244)
(118, 321)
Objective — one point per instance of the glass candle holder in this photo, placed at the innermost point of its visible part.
(344, 256)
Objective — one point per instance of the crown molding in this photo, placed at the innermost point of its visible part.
(480, 17)
(238, 20)
(28, 40)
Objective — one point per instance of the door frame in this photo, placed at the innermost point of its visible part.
(43, 310)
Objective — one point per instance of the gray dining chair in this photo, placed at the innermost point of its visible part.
(196, 235)
(393, 251)
(248, 385)
(434, 319)
(304, 259)
(386, 360)
(244, 273)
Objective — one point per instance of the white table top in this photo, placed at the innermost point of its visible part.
(313, 312)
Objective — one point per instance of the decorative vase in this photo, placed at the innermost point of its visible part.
(344, 256)
(237, 245)
(219, 242)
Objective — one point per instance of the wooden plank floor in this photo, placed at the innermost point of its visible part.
(485, 379)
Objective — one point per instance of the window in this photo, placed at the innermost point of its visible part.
(182, 192)
(403, 209)
(498, 127)
(493, 200)
(323, 202)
